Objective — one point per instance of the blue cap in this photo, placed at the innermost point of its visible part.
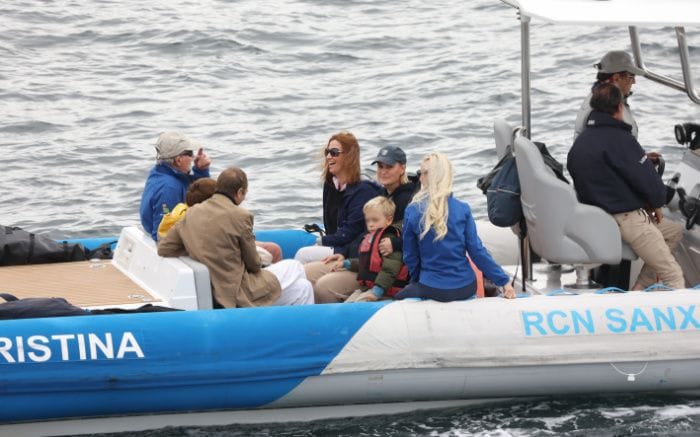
(390, 155)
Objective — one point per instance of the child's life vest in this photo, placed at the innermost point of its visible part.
(370, 261)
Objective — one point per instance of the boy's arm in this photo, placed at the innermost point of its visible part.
(391, 265)
(352, 264)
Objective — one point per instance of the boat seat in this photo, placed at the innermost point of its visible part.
(560, 228)
(180, 282)
(504, 134)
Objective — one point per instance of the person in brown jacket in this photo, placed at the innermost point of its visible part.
(219, 234)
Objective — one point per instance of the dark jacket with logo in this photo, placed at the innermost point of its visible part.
(349, 219)
(611, 170)
(401, 197)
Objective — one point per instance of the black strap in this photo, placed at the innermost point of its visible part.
(30, 252)
(8, 297)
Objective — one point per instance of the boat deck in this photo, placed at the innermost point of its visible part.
(82, 283)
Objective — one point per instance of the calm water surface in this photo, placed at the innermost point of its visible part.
(86, 87)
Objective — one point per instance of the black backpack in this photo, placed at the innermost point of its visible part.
(502, 187)
(18, 247)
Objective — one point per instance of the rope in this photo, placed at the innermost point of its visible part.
(660, 285)
(610, 290)
(562, 292)
(631, 377)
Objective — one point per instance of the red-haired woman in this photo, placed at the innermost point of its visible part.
(344, 195)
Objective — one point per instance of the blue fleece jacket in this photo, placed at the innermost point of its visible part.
(443, 264)
(164, 186)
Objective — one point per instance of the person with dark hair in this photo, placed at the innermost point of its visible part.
(179, 162)
(615, 68)
(219, 233)
(611, 170)
(199, 191)
(344, 195)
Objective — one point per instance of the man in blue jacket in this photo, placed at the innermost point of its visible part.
(611, 170)
(169, 179)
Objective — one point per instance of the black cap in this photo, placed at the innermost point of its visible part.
(390, 155)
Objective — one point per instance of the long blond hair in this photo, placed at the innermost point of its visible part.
(434, 194)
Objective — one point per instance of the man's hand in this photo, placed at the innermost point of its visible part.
(653, 157)
(385, 247)
(657, 215)
(201, 160)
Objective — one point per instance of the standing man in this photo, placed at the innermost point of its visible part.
(616, 68)
(611, 170)
(169, 179)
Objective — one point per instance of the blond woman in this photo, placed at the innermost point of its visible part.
(439, 233)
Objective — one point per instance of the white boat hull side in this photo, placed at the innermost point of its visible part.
(539, 331)
(495, 382)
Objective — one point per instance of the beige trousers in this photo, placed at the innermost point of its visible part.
(330, 287)
(654, 244)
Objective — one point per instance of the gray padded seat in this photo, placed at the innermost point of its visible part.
(561, 229)
(503, 134)
(202, 283)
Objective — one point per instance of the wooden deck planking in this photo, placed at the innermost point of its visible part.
(82, 283)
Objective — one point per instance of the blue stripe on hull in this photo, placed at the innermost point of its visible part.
(289, 240)
(240, 358)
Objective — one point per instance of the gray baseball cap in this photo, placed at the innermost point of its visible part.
(172, 144)
(617, 61)
(390, 155)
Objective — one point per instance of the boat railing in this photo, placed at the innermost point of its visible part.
(687, 86)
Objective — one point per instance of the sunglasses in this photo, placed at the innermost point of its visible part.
(187, 153)
(334, 152)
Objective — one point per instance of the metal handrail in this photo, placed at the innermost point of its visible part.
(687, 85)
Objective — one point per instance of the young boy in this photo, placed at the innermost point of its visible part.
(379, 276)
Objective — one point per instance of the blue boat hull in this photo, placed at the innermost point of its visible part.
(161, 362)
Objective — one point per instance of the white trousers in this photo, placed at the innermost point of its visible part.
(296, 289)
(312, 253)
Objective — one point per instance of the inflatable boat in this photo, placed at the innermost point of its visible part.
(200, 366)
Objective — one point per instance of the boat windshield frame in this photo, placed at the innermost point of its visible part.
(553, 12)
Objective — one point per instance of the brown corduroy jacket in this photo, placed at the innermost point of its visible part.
(219, 234)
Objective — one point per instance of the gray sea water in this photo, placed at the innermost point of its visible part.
(85, 88)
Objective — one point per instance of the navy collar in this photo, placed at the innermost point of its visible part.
(598, 119)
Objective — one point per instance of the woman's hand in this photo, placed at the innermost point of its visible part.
(337, 266)
(333, 258)
(335, 262)
(385, 247)
(509, 291)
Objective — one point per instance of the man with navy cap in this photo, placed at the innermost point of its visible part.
(616, 68)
